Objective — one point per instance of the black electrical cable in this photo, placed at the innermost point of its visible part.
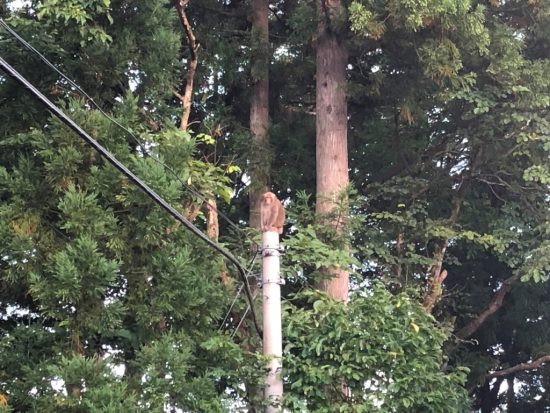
(132, 177)
(136, 140)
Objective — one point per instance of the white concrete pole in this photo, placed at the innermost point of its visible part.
(272, 334)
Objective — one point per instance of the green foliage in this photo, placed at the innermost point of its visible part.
(448, 137)
(104, 392)
(307, 252)
(83, 13)
(314, 245)
(166, 367)
(384, 349)
(362, 20)
(104, 276)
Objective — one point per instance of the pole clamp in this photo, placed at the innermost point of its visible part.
(269, 251)
(280, 281)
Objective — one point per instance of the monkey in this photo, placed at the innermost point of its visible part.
(272, 213)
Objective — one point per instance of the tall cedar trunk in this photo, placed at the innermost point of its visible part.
(331, 146)
(259, 123)
(259, 108)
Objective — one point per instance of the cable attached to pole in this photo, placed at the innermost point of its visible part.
(5, 66)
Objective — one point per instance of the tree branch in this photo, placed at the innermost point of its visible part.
(495, 303)
(521, 367)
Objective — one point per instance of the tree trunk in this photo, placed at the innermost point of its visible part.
(331, 125)
(259, 108)
(259, 154)
(489, 396)
(510, 395)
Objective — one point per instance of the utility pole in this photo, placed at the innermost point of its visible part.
(272, 334)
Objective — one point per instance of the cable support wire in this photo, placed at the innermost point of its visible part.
(9, 70)
(250, 274)
(126, 130)
(231, 306)
(248, 307)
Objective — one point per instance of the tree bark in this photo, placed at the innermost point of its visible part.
(331, 126)
(259, 108)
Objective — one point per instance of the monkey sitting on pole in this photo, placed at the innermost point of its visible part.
(272, 213)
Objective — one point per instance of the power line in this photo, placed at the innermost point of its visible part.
(128, 132)
(133, 178)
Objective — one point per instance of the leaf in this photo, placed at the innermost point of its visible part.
(232, 169)
(317, 305)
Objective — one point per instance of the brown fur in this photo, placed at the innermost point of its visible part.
(272, 213)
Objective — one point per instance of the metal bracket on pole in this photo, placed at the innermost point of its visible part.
(272, 251)
(277, 280)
